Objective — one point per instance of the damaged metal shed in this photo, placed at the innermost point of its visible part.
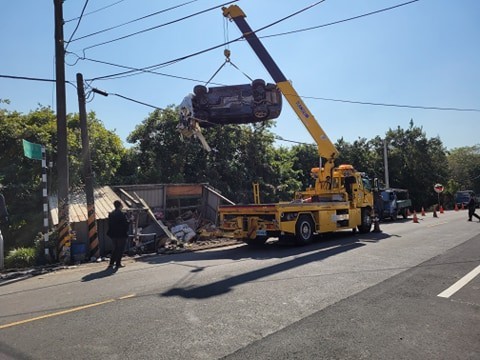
(168, 203)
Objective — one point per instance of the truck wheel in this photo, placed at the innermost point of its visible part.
(304, 229)
(404, 213)
(394, 216)
(366, 225)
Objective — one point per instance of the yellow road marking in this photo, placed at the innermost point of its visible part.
(78, 308)
(126, 297)
(440, 223)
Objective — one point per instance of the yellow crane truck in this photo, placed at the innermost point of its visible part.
(341, 198)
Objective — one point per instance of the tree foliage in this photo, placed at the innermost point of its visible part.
(20, 177)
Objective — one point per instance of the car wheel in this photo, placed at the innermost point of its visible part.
(258, 87)
(200, 90)
(260, 112)
(304, 229)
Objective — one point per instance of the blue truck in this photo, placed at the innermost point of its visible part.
(391, 203)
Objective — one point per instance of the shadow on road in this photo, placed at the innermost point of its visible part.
(99, 274)
(226, 285)
(270, 250)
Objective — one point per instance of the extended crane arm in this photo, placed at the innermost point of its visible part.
(326, 148)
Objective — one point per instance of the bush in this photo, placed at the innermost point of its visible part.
(20, 258)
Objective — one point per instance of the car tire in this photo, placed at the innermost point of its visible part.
(260, 112)
(258, 88)
(200, 90)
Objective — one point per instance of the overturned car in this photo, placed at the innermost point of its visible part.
(235, 104)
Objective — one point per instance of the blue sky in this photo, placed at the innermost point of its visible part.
(422, 54)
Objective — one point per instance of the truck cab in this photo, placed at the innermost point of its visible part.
(393, 203)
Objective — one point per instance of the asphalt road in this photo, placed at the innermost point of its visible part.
(372, 296)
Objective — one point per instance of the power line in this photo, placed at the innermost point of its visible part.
(437, 108)
(396, 105)
(33, 79)
(95, 11)
(158, 26)
(149, 69)
(289, 16)
(132, 21)
(78, 23)
(340, 21)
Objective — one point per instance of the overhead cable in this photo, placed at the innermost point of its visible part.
(78, 24)
(132, 21)
(339, 21)
(95, 11)
(303, 97)
(150, 68)
(396, 105)
(158, 26)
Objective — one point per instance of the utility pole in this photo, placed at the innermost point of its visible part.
(94, 251)
(385, 160)
(64, 232)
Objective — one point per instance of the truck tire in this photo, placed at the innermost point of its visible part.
(394, 216)
(304, 229)
(366, 225)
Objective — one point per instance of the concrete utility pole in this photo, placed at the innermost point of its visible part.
(64, 232)
(385, 159)
(94, 251)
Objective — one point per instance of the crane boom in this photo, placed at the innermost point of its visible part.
(326, 149)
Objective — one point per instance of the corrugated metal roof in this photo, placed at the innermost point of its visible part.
(104, 198)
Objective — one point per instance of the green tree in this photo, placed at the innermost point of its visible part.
(20, 177)
(416, 163)
(464, 169)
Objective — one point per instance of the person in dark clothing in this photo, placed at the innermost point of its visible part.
(471, 209)
(118, 232)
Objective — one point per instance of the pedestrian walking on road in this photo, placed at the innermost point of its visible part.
(471, 209)
(118, 232)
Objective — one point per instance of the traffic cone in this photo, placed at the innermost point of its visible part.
(423, 211)
(435, 211)
(456, 207)
(463, 207)
(441, 209)
(415, 218)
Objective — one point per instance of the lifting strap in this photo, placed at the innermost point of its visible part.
(227, 53)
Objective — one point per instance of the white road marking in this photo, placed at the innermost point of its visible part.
(460, 283)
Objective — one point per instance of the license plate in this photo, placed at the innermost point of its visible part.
(261, 232)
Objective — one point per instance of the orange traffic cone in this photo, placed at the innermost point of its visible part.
(456, 207)
(435, 211)
(423, 211)
(415, 218)
(441, 209)
(463, 207)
